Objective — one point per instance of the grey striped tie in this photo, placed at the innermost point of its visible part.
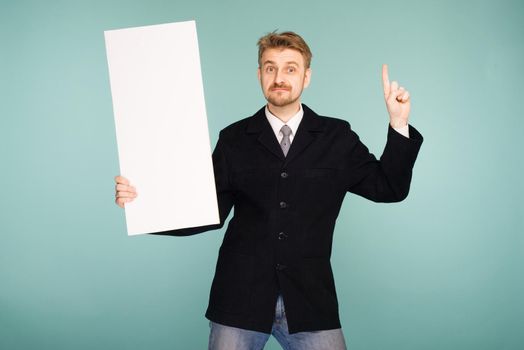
(286, 142)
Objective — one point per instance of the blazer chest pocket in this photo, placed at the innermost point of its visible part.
(319, 172)
(319, 182)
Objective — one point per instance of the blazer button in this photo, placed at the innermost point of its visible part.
(283, 205)
(280, 267)
(284, 175)
(281, 236)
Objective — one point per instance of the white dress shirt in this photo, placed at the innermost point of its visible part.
(277, 124)
(294, 122)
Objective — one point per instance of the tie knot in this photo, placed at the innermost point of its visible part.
(286, 130)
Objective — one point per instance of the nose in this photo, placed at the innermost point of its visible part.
(279, 77)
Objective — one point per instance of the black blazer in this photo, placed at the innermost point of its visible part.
(279, 238)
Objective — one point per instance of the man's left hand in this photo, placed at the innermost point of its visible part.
(397, 100)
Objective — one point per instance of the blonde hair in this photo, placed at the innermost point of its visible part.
(284, 40)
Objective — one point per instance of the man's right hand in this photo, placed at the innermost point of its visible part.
(124, 192)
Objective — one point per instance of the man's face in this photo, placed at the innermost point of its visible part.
(283, 76)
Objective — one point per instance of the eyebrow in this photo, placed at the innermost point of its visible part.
(272, 62)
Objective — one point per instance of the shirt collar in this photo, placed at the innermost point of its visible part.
(277, 124)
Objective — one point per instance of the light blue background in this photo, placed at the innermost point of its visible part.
(441, 270)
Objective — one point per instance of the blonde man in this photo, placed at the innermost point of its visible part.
(286, 171)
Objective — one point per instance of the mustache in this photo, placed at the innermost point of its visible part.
(281, 86)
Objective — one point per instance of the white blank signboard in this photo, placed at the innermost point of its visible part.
(161, 126)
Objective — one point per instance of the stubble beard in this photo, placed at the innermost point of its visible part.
(280, 100)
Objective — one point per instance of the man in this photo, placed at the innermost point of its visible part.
(286, 171)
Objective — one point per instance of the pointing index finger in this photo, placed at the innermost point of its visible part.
(385, 79)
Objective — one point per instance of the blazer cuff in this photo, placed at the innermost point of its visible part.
(414, 136)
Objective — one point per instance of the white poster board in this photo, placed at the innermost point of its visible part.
(161, 126)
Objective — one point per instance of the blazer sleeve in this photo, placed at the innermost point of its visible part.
(224, 194)
(387, 179)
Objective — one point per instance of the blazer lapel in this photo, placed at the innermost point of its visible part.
(260, 125)
(308, 129)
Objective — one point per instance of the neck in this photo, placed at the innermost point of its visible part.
(286, 112)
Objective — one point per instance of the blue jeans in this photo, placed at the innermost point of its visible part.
(230, 338)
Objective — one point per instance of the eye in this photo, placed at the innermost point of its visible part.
(291, 70)
(270, 69)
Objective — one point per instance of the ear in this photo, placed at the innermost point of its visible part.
(258, 73)
(307, 77)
